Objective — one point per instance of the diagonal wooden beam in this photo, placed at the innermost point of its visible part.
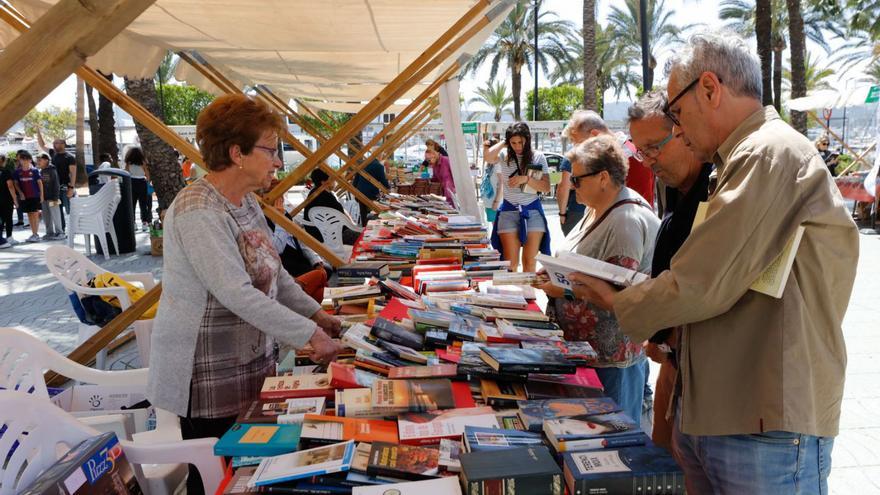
(434, 56)
(50, 49)
(287, 224)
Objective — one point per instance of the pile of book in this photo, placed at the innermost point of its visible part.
(452, 381)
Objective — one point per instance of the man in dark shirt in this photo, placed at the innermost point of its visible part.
(688, 180)
(326, 199)
(65, 164)
(377, 170)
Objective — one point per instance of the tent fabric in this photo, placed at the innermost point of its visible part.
(830, 98)
(450, 110)
(334, 50)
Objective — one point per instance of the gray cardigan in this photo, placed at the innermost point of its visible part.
(205, 269)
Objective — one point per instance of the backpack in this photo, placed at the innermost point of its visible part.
(487, 191)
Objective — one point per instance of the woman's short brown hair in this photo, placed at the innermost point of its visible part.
(600, 153)
(230, 120)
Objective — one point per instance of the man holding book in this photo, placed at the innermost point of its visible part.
(687, 178)
(760, 377)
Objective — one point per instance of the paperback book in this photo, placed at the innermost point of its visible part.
(482, 439)
(290, 387)
(403, 461)
(322, 429)
(527, 361)
(281, 412)
(258, 440)
(303, 464)
(599, 431)
(412, 395)
(428, 428)
(560, 267)
(533, 413)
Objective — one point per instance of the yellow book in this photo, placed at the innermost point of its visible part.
(773, 279)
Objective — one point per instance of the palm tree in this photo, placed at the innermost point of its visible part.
(512, 43)
(872, 73)
(614, 68)
(662, 33)
(589, 55)
(798, 39)
(741, 17)
(163, 76)
(815, 77)
(495, 96)
(763, 35)
(80, 129)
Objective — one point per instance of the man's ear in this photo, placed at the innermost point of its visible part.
(709, 89)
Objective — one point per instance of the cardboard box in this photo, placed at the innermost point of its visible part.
(92, 400)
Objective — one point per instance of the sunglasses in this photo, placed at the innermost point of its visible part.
(667, 108)
(576, 179)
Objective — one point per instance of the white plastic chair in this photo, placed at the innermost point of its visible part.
(330, 223)
(353, 208)
(93, 215)
(40, 428)
(23, 360)
(73, 270)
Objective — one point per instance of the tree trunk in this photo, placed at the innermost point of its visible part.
(80, 132)
(516, 89)
(777, 75)
(589, 34)
(763, 29)
(797, 40)
(106, 125)
(165, 173)
(93, 124)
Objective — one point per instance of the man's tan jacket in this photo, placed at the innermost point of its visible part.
(749, 362)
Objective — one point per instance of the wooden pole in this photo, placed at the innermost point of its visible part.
(858, 157)
(432, 57)
(48, 51)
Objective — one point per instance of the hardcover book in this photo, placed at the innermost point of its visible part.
(364, 269)
(527, 361)
(403, 461)
(534, 412)
(633, 470)
(258, 440)
(428, 428)
(445, 486)
(318, 429)
(519, 471)
(481, 439)
(412, 395)
(289, 387)
(303, 464)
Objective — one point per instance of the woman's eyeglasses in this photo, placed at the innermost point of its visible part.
(576, 179)
(273, 152)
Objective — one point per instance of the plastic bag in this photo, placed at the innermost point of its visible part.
(109, 279)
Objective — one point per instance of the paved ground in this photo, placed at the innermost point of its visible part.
(31, 299)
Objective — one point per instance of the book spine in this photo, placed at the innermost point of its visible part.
(601, 443)
(669, 483)
(527, 485)
(422, 441)
(359, 273)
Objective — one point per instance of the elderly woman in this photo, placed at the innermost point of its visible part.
(520, 223)
(619, 227)
(226, 296)
(441, 169)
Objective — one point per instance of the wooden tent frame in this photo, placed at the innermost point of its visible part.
(65, 52)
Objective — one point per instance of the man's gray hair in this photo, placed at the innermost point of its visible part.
(650, 105)
(723, 53)
(584, 121)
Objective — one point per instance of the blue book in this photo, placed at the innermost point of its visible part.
(627, 470)
(592, 432)
(478, 438)
(305, 464)
(258, 440)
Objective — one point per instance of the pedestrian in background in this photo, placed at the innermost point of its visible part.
(136, 165)
(29, 186)
(51, 203)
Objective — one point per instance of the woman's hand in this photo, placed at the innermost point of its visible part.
(324, 349)
(330, 324)
(517, 180)
(594, 290)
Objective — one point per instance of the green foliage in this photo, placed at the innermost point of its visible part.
(183, 103)
(816, 77)
(556, 103)
(495, 96)
(51, 122)
(333, 120)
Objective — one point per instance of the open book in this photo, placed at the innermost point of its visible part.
(559, 268)
(773, 279)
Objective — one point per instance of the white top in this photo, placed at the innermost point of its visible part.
(103, 179)
(507, 169)
(136, 171)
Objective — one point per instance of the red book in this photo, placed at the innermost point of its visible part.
(461, 394)
(452, 357)
(583, 377)
(342, 376)
(395, 310)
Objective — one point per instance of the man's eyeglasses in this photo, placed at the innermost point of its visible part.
(653, 151)
(576, 179)
(273, 152)
(667, 108)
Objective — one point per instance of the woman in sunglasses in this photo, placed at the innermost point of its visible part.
(619, 227)
(520, 223)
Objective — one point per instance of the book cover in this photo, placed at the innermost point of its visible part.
(584, 377)
(428, 428)
(289, 387)
(471, 366)
(627, 470)
(527, 361)
(438, 486)
(773, 279)
(312, 462)
(329, 429)
(412, 395)
(361, 457)
(258, 440)
(518, 471)
(433, 371)
(396, 334)
(95, 465)
(534, 412)
(364, 269)
(587, 432)
(581, 353)
(481, 439)
(239, 482)
(561, 266)
(500, 393)
(355, 403)
(282, 412)
(450, 451)
(520, 314)
(403, 461)
(342, 376)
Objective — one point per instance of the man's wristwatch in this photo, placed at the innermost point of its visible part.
(568, 294)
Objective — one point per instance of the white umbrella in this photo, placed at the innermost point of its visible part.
(832, 98)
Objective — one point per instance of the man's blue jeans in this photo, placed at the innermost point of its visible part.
(774, 462)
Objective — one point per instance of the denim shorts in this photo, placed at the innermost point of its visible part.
(508, 221)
